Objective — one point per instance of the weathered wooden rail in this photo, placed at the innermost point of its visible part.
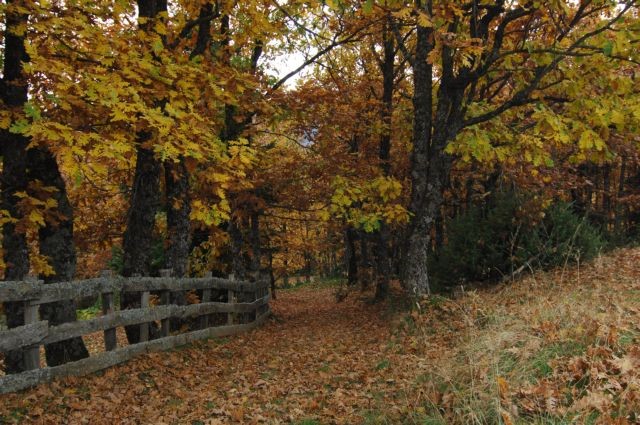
(245, 305)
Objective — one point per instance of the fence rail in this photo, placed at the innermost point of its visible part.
(245, 305)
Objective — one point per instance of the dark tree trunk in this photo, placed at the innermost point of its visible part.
(272, 278)
(285, 274)
(13, 90)
(365, 260)
(382, 263)
(439, 233)
(144, 203)
(138, 236)
(430, 164)
(384, 154)
(588, 203)
(238, 264)
(468, 197)
(606, 196)
(57, 245)
(415, 274)
(619, 211)
(14, 242)
(178, 205)
(351, 256)
(145, 196)
(178, 211)
(256, 248)
(178, 208)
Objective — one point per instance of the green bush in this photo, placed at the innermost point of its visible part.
(116, 263)
(478, 244)
(490, 242)
(561, 237)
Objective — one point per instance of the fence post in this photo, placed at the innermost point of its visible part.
(110, 339)
(165, 299)
(31, 355)
(262, 292)
(144, 303)
(253, 316)
(231, 300)
(206, 297)
(144, 327)
(259, 296)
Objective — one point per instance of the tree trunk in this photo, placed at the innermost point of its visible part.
(14, 242)
(14, 173)
(415, 274)
(256, 248)
(619, 211)
(178, 211)
(178, 208)
(285, 274)
(57, 245)
(145, 196)
(430, 165)
(439, 233)
(382, 264)
(272, 278)
(138, 236)
(384, 154)
(351, 256)
(606, 197)
(238, 265)
(178, 205)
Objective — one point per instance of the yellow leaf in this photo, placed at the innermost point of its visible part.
(36, 217)
(586, 140)
(5, 119)
(503, 387)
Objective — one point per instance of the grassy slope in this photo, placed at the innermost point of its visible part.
(559, 347)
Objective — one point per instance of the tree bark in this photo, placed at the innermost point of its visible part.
(145, 196)
(177, 179)
(365, 269)
(430, 164)
(178, 208)
(606, 196)
(384, 154)
(272, 278)
(138, 236)
(351, 256)
(57, 245)
(14, 174)
(415, 274)
(238, 264)
(256, 248)
(620, 210)
(178, 211)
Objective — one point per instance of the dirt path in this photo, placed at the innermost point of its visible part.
(316, 361)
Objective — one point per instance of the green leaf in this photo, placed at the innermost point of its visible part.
(31, 111)
(367, 7)
(19, 127)
(607, 48)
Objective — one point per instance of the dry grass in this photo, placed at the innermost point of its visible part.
(557, 347)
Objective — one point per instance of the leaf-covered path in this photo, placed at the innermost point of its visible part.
(314, 360)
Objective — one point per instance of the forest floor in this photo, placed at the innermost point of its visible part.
(553, 348)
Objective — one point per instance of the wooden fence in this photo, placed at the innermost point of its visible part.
(244, 306)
